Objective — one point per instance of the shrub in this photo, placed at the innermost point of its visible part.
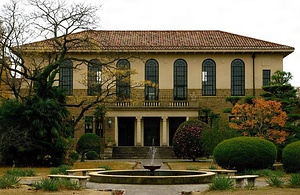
(55, 184)
(243, 153)
(275, 181)
(21, 172)
(9, 181)
(291, 157)
(62, 169)
(74, 155)
(106, 167)
(221, 183)
(92, 155)
(294, 181)
(88, 142)
(187, 140)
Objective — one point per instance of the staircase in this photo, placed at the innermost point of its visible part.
(141, 152)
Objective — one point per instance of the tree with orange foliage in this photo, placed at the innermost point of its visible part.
(263, 118)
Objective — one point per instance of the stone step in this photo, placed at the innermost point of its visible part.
(136, 152)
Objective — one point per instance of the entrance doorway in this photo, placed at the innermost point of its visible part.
(151, 131)
(126, 131)
(174, 123)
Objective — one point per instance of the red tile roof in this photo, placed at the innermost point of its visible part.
(162, 41)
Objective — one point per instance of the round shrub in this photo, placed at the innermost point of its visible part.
(92, 155)
(291, 157)
(187, 140)
(243, 153)
(88, 142)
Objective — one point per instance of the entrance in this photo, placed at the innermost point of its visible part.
(126, 131)
(174, 123)
(151, 131)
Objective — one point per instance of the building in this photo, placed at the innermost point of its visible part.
(192, 69)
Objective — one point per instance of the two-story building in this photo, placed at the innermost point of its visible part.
(191, 69)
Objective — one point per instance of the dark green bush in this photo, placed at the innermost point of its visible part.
(92, 155)
(74, 155)
(291, 157)
(243, 153)
(88, 142)
(187, 140)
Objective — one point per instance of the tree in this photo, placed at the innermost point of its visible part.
(187, 141)
(263, 118)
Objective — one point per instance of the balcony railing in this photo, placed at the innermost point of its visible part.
(156, 104)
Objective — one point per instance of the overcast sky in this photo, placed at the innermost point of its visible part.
(270, 20)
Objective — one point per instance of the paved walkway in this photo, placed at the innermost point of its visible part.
(154, 189)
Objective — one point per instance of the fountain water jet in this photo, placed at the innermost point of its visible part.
(151, 167)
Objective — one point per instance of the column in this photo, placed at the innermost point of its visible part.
(164, 131)
(138, 131)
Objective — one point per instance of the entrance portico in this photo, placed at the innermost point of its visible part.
(147, 129)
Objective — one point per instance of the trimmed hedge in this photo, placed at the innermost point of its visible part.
(187, 141)
(92, 155)
(243, 153)
(291, 157)
(88, 142)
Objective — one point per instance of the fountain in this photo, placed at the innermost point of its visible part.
(157, 176)
(151, 167)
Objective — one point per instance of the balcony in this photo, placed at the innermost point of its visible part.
(154, 104)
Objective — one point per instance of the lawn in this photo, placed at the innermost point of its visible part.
(43, 172)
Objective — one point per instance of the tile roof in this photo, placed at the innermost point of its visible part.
(162, 41)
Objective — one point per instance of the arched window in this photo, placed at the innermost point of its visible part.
(208, 78)
(151, 74)
(180, 80)
(94, 77)
(123, 79)
(237, 78)
(66, 77)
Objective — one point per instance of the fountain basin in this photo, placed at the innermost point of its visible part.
(161, 177)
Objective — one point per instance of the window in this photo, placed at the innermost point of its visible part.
(237, 78)
(151, 74)
(88, 124)
(208, 78)
(94, 77)
(266, 77)
(66, 77)
(123, 79)
(180, 80)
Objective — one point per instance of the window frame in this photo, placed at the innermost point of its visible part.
(66, 77)
(266, 78)
(208, 78)
(180, 79)
(152, 75)
(94, 77)
(123, 87)
(237, 77)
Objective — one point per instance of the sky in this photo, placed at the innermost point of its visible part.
(276, 21)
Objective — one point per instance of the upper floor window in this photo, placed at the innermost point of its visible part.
(151, 74)
(123, 79)
(266, 77)
(180, 80)
(237, 78)
(208, 78)
(66, 77)
(94, 77)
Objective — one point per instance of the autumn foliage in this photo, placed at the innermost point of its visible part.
(262, 118)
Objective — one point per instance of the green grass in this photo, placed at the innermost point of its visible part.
(9, 181)
(62, 169)
(275, 181)
(55, 184)
(21, 172)
(294, 181)
(221, 183)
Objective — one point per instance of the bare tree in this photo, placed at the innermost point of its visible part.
(61, 26)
